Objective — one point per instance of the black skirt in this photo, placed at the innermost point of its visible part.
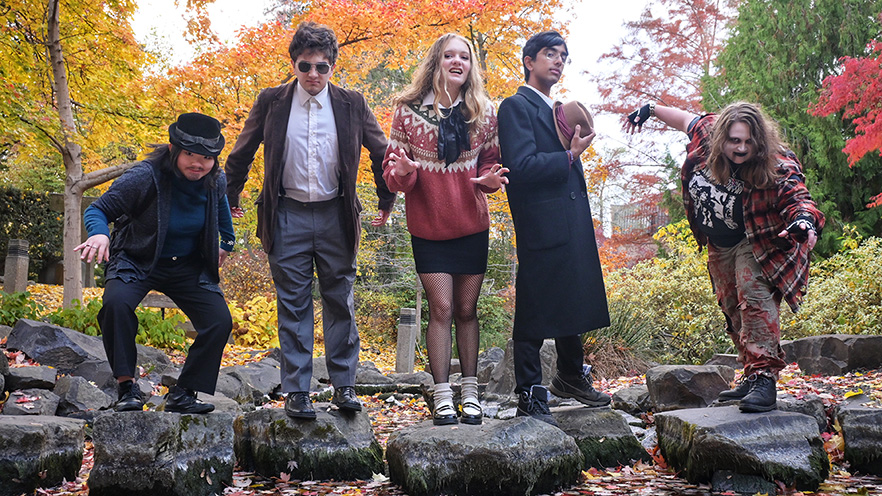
(465, 255)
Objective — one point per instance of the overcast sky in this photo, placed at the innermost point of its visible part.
(595, 27)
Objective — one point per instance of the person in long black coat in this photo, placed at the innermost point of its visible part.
(559, 286)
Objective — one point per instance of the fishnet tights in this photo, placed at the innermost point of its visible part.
(452, 298)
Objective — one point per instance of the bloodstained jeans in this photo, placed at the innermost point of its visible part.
(750, 304)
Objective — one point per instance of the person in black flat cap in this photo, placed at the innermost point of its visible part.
(172, 230)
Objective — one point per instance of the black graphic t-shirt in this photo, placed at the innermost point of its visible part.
(718, 208)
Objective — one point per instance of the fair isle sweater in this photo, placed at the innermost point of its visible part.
(440, 201)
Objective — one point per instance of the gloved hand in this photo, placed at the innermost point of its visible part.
(800, 228)
(639, 117)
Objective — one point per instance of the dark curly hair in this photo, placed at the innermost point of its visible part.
(313, 37)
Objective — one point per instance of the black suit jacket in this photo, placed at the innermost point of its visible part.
(267, 123)
(559, 283)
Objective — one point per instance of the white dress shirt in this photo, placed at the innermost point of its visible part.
(311, 149)
(545, 98)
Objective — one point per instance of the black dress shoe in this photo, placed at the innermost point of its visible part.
(183, 400)
(299, 406)
(130, 398)
(345, 399)
(762, 396)
(444, 414)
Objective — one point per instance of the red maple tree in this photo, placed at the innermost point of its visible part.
(857, 93)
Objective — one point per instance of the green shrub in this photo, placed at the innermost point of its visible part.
(495, 321)
(673, 294)
(159, 332)
(626, 347)
(844, 295)
(27, 215)
(78, 317)
(14, 306)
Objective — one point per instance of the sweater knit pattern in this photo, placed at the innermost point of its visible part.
(441, 202)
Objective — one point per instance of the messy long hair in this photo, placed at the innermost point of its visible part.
(166, 158)
(428, 77)
(761, 172)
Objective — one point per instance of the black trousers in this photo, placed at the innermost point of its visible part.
(528, 364)
(207, 310)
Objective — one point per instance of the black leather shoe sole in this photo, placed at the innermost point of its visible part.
(751, 408)
(444, 420)
(472, 419)
(307, 415)
(347, 405)
(197, 409)
(604, 401)
(129, 406)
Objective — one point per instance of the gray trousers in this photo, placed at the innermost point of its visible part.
(310, 237)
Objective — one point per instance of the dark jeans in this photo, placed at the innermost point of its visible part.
(528, 364)
(206, 309)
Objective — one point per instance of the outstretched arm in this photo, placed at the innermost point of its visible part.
(673, 117)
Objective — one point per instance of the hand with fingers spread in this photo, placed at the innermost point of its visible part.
(635, 120)
(96, 248)
(493, 179)
(402, 164)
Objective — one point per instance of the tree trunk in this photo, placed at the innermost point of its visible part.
(76, 183)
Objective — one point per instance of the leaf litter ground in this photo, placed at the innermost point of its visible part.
(390, 412)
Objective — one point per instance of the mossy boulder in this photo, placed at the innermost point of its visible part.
(336, 445)
(777, 446)
(157, 453)
(512, 457)
(602, 435)
(38, 451)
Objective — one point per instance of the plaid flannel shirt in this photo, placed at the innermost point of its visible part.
(767, 212)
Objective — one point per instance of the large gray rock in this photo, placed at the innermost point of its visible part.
(809, 404)
(726, 359)
(156, 453)
(52, 345)
(673, 387)
(38, 452)
(97, 372)
(835, 354)
(65, 349)
(780, 446)
(520, 456)
(487, 360)
(31, 377)
(79, 395)
(602, 435)
(259, 382)
(5, 330)
(4, 362)
(502, 380)
(416, 378)
(634, 399)
(862, 433)
(368, 373)
(336, 445)
(31, 402)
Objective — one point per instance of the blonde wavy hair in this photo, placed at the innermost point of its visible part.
(428, 77)
(761, 172)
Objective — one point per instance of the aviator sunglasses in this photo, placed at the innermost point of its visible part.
(321, 67)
